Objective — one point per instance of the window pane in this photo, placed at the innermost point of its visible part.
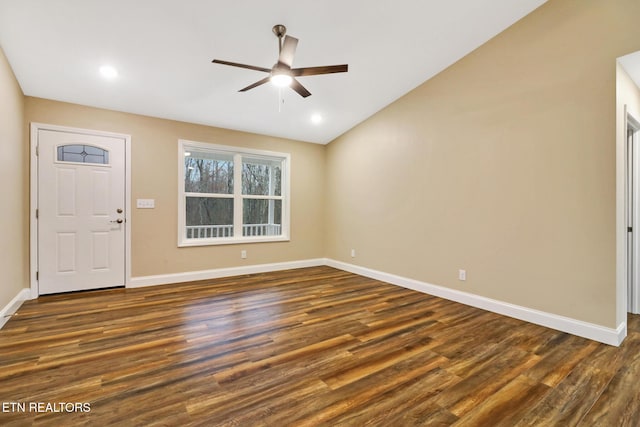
(208, 217)
(78, 153)
(208, 173)
(261, 217)
(261, 177)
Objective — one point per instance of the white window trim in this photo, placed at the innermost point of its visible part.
(184, 146)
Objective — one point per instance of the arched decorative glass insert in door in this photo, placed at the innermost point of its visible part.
(80, 153)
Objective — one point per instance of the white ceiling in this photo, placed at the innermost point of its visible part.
(163, 51)
(631, 64)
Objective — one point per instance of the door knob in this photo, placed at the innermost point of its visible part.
(119, 210)
(119, 221)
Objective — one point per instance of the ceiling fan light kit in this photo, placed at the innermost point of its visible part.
(281, 74)
(281, 80)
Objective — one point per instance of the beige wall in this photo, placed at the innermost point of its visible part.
(154, 154)
(14, 249)
(503, 165)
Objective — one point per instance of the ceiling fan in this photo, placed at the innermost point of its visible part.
(281, 74)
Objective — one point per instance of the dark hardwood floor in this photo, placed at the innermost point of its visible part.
(306, 347)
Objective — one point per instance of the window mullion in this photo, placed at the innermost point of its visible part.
(237, 195)
(272, 188)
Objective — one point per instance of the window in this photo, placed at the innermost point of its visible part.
(77, 153)
(231, 195)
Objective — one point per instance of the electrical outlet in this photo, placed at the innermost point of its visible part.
(243, 254)
(353, 253)
(462, 274)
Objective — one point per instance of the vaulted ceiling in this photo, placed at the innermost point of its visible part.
(631, 64)
(162, 50)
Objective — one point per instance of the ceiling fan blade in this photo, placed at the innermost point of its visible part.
(256, 84)
(288, 50)
(326, 69)
(302, 91)
(235, 64)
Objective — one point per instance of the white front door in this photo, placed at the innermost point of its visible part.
(81, 218)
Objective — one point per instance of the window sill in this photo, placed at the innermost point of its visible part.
(232, 241)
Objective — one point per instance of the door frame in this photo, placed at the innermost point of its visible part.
(632, 203)
(33, 197)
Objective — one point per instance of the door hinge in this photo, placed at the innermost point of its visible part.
(37, 211)
(629, 229)
(37, 275)
(37, 150)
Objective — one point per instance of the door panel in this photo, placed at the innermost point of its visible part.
(66, 252)
(66, 200)
(100, 181)
(81, 195)
(100, 252)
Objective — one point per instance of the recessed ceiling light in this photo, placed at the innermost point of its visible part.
(316, 118)
(108, 72)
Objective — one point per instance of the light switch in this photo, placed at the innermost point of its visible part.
(145, 203)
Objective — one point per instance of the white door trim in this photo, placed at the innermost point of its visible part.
(633, 288)
(33, 190)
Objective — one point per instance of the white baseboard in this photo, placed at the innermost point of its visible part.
(13, 306)
(190, 276)
(565, 324)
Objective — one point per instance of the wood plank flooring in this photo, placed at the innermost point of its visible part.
(306, 347)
